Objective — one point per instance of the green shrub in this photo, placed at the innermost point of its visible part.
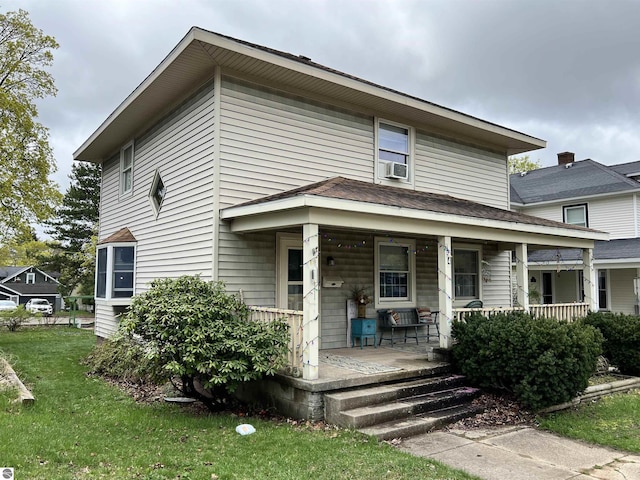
(124, 358)
(12, 319)
(195, 331)
(621, 339)
(542, 361)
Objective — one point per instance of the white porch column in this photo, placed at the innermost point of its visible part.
(310, 292)
(522, 275)
(589, 279)
(445, 289)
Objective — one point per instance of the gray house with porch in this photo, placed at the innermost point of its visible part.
(293, 182)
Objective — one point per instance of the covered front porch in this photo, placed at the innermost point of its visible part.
(410, 249)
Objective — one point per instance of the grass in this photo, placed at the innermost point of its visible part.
(82, 428)
(612, 421)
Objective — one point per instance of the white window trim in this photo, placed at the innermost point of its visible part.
(607, 279)
(379, 171)
(284, 241)
(462, 301)
(155, 205)
(109, 273)
(123, 192)
(389, 303)
(32, 276)
(585, 209)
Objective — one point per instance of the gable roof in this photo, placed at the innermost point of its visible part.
(7, 273)
(192, 62)
(581, 179)
(340, 188)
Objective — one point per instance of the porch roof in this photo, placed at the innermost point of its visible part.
(624, 250)
(343, 202)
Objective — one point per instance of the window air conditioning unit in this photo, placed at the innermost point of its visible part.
(397, 170)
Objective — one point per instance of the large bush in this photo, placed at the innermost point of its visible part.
(621, 339)
(193, 330)
(542, 361)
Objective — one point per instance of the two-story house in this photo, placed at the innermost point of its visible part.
(293, 182)
(21, 284)
(593, 195)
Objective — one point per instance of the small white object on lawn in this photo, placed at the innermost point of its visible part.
(245, 429)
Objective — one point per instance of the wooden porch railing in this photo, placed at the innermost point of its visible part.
(561, 311)
(294, 320)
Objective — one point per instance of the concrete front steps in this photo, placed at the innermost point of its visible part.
(403, 408)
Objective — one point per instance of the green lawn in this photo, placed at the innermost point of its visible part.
(83, 428)
(612, 421)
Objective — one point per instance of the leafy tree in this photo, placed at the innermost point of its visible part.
(22, 250)
(196, 332)
(26, 194)
(74, 229)
(523, 164)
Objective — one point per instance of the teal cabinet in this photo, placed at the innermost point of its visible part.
(363, 328)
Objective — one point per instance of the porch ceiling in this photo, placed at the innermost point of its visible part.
(345, 203)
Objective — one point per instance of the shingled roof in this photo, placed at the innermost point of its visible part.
(359, 191)
(579, 179)
(611, 250)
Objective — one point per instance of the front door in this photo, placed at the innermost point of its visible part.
(547, 288)
(290, 273)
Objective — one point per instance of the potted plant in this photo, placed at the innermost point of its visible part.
(361, 297)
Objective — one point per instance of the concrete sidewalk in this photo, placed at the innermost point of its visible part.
(523, 453)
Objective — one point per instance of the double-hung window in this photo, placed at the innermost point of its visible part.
(126, 169)
(466, 273)
(31, 278)
(394, 151)
(115, 271)
(576, 215)
(395, 265)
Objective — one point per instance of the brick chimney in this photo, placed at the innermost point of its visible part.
(566, 157)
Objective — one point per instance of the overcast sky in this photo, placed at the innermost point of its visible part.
(564, 71)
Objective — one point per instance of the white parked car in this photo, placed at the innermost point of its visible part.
(6, 305)
(39, 305)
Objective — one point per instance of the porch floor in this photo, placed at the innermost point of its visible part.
(348, 367)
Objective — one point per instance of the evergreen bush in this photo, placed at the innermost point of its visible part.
(542, 361)
(193, 330)
(621, 339)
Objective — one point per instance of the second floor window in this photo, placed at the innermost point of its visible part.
(394, 152)
(31, 278)
(126, 169)
(576, 215)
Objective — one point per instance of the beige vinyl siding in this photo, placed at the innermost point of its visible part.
(272, 142)
(106, 323)
(445, 166)
(247, 263)
(621, 292)
(179, 240)
(496, 277)
(354, 264)
(550, 212)
(614, 215)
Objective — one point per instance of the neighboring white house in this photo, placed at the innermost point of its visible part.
(293, 182)
(593, 195)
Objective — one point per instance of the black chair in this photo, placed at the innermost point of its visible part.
(474, 304)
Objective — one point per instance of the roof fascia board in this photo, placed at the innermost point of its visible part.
(349, 206)
(226, 43)
(405, 226)
(577, 199)
(152, 77)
